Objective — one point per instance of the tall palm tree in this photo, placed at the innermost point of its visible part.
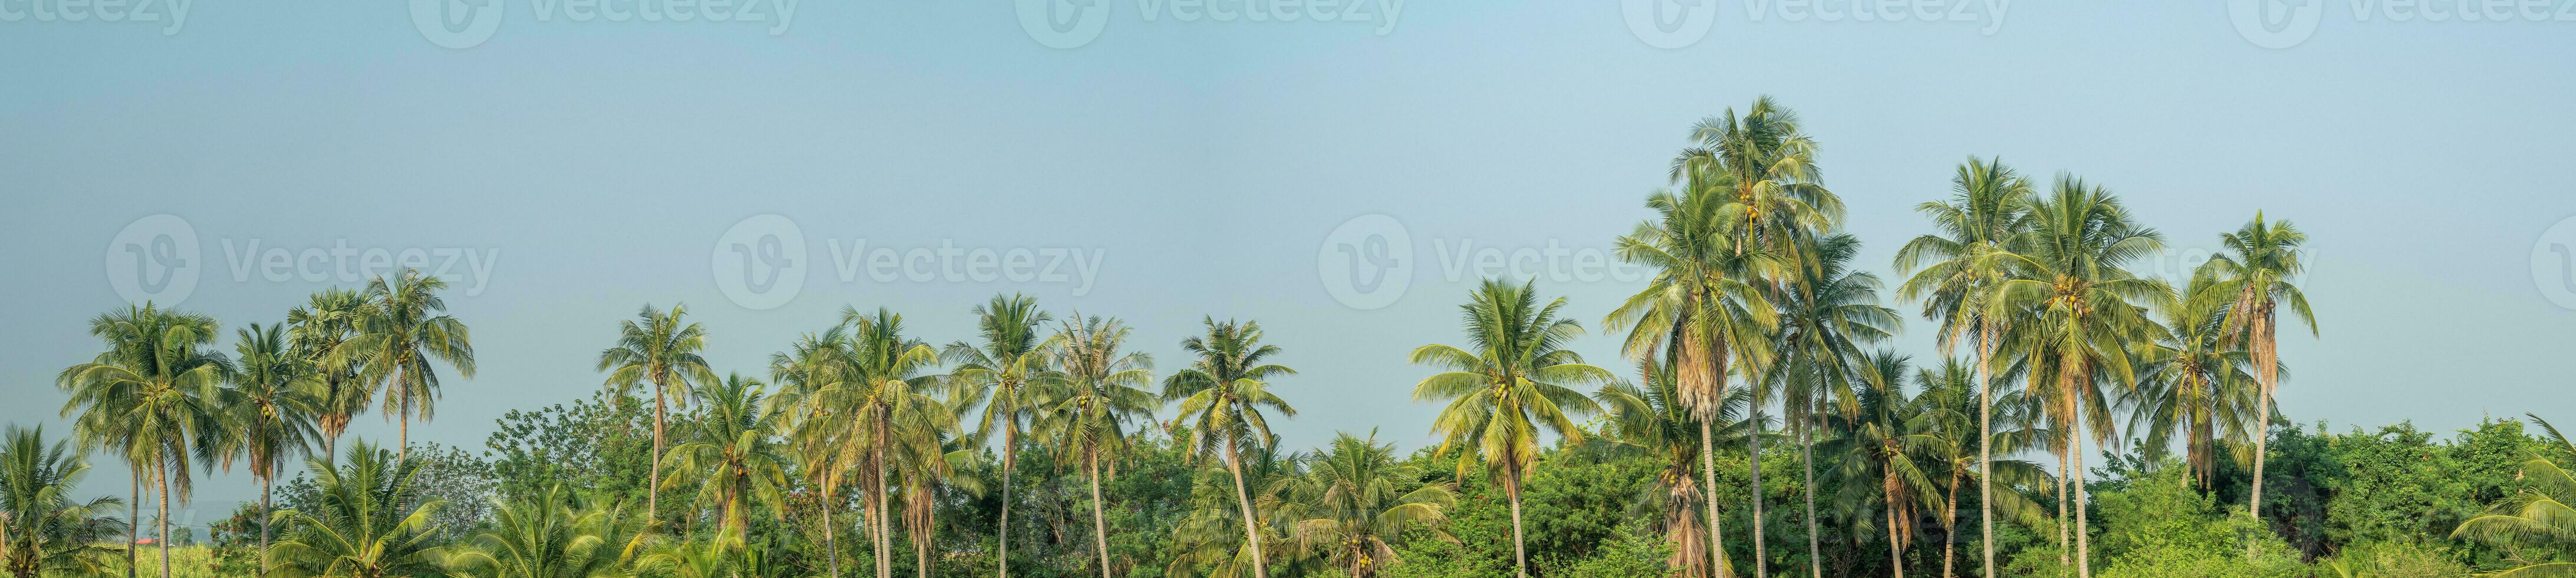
(44, 531)
(2257, 271)
(1091, 404)
(659, 348)
(729, 450)
(1948, 436)
(407, 329)
(1508, 390)
(369, 520)
(1826, 317)
(1884, 441)
(2195, 385)
(319, 328)
(2067, 277)
(1366, 499)
(557, 534)
(150, 397)
(268, 410)
(996, 378)
(869, 401)
(1210, 541)
(1705, 300)
(927, 473)
(812, 364)
(1652, 418)
(1222, 394)
(1987, 205)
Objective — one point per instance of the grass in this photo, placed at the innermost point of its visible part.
(185, 562)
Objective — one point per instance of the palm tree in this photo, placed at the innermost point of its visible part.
(1368, 499)
(2537, 518)
(1652, 418)
(1090, 405)
(149, 396)
(998, 374)
(43, 530)
(659, 348)
(2066, 276)
(2194, 384)
(729, 450)
(406, 329)
(1948, 435)
(813, 364)
(1210, 541)
(927, 472)
(1882, 441)
(1826, 317)
(1986, 206)
(1222, 394)
(319, 328)
(2257, 272)
(1703, 302)
(369, 521)
(556, 534)
(866, 399)
(268, 410)
(1511, 388)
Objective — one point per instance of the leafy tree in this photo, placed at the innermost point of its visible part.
(1367, 499)
(729, 450)
(320, 327)
(1222, 394)
(996, 377)
(150, 397)
(44, 531)
(406, 330)
(2257, 271)
(1093, 402)
(661, 349)
(267, 410)
(1511, 389)
(1987, 205)
(366, 520)
(559, 533)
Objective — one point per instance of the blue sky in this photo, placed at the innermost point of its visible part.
(1202, 167)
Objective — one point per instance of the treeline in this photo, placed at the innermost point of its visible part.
(1766, 429)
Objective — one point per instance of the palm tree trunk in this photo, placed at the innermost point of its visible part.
(1002, 536)
(2269, 364)
(830, 546)
(921, 554)
(1251, 531)
(2065, 550)
(263, 524)
(1761, 565)
(2083, 542)
(1895, 547)
(1099, 520)
(1950, 521)
(884, 521)
(661, 411)
(1985, 446)
(1708, 474)
(164, 540)
(1807, 457)
(1520, 552)
(133, 514)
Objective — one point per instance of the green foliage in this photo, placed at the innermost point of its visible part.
(1630, 551)
(2157, 527)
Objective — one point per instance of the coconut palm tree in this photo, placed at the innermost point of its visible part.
(2194, 386)
(1222, 394)
(1950, 275)
(268, 408)
(2538, 518)
(1210, 541)
(1366, 499)
(150, 397)
(995, 378)
(319, 328)
(44, 531)
(368, 521)
(557, 534)
(814, 363)
(927, 473)
(407, 330)
(1826, 317)
(2066, 277)
(1512, 387)
(1885, 441)
(1705, 301)
(866, 400)
(1652, 418)
(729, 450)
(1948, 438)
(2257, 270)
(1091, 404)
(659, 348)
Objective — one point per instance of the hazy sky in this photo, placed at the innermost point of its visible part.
(592, 163)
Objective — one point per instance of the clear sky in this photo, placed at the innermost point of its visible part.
(592, 164)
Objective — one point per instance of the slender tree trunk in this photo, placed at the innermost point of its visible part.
(263, 524)
(833, 549)
(1099, 520)
(1520, 552)
(133, 518)
(1807, 457)
(1708, 474)
(2065, 548)
(885, 522)
(1985, 446)
(1251, 530)
(164, 540)
(2269, 364)
(661, 411)
(1761, 562)
(1002, 536)
(2083, 542)
(404, 437)
(1895, 546)
(921, 554)
(1950, 522)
